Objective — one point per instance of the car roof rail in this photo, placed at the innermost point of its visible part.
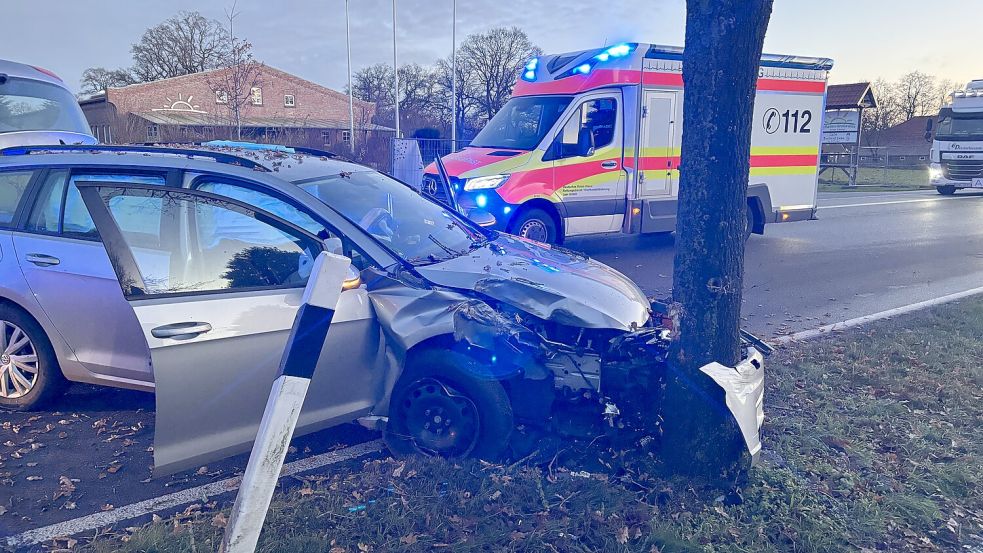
(219, 157)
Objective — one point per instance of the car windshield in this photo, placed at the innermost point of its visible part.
(960, 127)
(418, 230)
(522, 122)
(28, 105)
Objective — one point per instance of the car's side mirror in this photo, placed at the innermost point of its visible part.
(333, 245)
(928, 129)
(585, 142)
(353, 280)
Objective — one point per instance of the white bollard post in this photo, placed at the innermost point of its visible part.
(286, 399)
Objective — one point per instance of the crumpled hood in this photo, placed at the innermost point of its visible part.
(551, 283)
(473, 162)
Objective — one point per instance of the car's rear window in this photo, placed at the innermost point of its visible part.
(29, 105)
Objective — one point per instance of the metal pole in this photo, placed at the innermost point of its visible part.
(395, 71)
(351, 91)
(454, 79)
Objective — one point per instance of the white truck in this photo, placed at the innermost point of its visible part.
(957, 146)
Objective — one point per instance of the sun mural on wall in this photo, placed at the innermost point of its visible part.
(181, 105)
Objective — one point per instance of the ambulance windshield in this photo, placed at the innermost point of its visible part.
(521, 123)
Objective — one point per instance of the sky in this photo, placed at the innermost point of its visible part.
(866, 39)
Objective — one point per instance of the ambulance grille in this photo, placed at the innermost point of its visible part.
(431, 187)
(962, 169)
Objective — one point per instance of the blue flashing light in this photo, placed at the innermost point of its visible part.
(619, 50)
(529, 75)
(531, 66)
(616, 51)
(507, 209)
(494, 358)
(582, 68)
(481, 200)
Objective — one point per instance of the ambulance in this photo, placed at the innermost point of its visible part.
(589, 143)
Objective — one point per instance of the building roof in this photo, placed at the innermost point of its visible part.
(906, 138)
(850, 96)
(192, 119)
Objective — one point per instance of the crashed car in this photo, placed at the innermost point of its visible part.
(180, 271)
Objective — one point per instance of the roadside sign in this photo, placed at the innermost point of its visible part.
(839, 137)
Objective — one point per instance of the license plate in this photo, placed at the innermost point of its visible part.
(978, 183)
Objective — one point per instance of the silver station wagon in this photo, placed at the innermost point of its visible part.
(180, 271)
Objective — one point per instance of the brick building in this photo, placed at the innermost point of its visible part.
(281, 108)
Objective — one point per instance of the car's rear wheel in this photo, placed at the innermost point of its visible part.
(441, 407)
(536, 224)
(29, 372)
(946, 190)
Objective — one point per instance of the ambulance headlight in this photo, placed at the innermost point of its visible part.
(482, 183)
(934, 171)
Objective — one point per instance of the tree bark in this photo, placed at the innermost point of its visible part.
(720, 69)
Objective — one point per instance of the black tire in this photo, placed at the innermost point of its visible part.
(443, 371)
(946, 190)
(49, 383)
(536, 224)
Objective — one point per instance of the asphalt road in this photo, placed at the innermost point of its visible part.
(867, 252)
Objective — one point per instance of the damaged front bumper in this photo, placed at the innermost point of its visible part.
(744, 387)
(582, 380)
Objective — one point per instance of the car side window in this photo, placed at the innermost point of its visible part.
(13, 184)
(182, 243)
(592, 125)
(286, 211)
(59, 208)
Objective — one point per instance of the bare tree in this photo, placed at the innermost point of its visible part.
(720, 61)
(234, 83)
(184, 44)
(915, 94)
(494, 60)
(97, 79)
(420, 101)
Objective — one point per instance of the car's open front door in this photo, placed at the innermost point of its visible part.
(215, 285)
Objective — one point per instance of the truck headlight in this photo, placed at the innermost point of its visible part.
(481, 183)
(934, 171)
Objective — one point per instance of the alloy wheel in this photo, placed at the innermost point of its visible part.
(440, 420)
(18, 362)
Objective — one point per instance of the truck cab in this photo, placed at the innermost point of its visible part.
(957, 144)
(590, 142)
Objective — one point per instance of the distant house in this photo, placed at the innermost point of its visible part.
(281, 108)
(903, 145)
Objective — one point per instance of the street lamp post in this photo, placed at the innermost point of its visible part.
(454, 79)
(351, 91)
(395, 72)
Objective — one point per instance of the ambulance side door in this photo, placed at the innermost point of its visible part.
(588, 164)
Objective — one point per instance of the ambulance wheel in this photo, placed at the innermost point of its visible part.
(440, 407)
(946, 190)
(748, 223)
(535, 224)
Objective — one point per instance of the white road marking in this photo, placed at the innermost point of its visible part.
(896, 202)
(169, 501)
(849, 323)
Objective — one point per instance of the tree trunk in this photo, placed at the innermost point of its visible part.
(720, 68)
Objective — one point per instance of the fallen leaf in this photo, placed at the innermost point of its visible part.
(398, 471)
(622, 536)
(364, 548)
(408, 539)
(34, 478)
(107, 507)
(219, 520)
(3, 510)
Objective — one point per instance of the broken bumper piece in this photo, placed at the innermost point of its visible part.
(744, 387)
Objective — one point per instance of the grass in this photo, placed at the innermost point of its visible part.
(873, 179)
(873, 439)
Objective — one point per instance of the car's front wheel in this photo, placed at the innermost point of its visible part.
(441, 406)
(29, 372)
(536, 224)
(946, 190)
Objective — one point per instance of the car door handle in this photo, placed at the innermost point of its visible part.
(42, 260)
(609, 165)
(188, 329)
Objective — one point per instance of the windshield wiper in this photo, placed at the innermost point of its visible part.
(450, 251)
